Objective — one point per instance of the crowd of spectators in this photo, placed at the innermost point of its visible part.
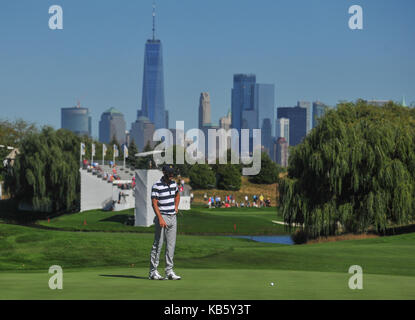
(216, 201)
(109, 176)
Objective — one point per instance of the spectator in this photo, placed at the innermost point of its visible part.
(217, 201)
(205, 197)
(261, 200)
(191, 197)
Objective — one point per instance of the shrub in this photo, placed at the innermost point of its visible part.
(202, 177)
(269, 171)
(228, 177)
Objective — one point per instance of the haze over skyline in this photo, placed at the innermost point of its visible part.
(304, 47)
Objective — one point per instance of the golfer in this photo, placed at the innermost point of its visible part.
(165, 198)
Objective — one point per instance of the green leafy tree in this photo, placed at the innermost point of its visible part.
(202, 177)
(132, 151)
(148, 161)
(228, 177)
(269, 171)
(45, 174)
(12, 133)
(355, 171)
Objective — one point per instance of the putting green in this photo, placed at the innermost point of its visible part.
(132, 283)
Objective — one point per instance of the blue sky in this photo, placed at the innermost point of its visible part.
(304, 47)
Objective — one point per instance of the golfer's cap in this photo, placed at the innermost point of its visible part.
(168, 168)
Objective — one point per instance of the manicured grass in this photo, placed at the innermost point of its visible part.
(132, 283)
(24, 248)
(199, 220)
(112, 262)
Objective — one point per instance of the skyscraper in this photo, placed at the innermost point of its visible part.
(243, 100)
(112, 124)
(142, 131)
(152, 105)
(204, 110)
(309, 113)
(226, 121)
(77, 120)
(298, 122)
(281, 152)
(283, 129)
(319, 109)
(266, 136)
(264, 103)
(205, 120)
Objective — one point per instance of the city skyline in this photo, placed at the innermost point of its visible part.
(100, 63)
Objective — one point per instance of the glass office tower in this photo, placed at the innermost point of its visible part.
(307, 106)
(297, 124)
(283, 129)
(152, 105)
(319, 109)
(264, 101)
(242, 98)
(77, 120)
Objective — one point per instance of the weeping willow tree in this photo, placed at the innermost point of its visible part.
(354, 172)
(45, 174)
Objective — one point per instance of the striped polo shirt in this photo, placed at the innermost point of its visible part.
(165, 192)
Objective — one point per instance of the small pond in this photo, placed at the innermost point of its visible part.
(268, 239)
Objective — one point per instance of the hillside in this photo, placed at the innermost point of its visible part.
(248, 188)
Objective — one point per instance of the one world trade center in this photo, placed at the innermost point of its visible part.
(152, 105)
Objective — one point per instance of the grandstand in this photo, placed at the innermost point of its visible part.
(112, 187)
(107, 187)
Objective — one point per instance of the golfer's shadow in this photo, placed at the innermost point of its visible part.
(122, 276)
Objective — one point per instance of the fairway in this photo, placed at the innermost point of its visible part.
(105, 259)
(213, 284)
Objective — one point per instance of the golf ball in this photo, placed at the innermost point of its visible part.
(272, 283)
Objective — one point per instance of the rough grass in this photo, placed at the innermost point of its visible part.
(199, 220)
(343, 237)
